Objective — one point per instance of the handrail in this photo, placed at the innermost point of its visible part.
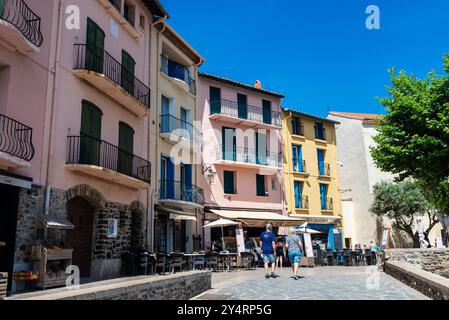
(16, 138)
(185, 76)
(180, 191)
(247, 155)
(100, 61)
(17, 13)
(182, 128)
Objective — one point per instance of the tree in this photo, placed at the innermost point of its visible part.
(402, 203)
(413, 138)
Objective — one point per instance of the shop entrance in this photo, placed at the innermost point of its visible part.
(81, 214)
(8, 226)
(179, 235)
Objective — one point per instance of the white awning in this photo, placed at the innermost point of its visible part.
(259, 218)
(182, 215)
(317, 219)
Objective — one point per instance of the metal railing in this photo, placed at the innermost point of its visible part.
(327, 204)
(250, 156)
(302, 202)
(232, 109)
(180, 72)
(17, 13)
(180, 191)
(299, 166)
(84, 149)
(98, 60)
(324, 169)
(16, 139)
(180, 128)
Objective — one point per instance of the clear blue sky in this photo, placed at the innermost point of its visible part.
(318, 53)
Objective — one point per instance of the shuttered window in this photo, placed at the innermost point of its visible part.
(128, 71)
(94, 47)
(126, 148)
(266, 105)
(90, 141)
(260, 182)
(242, 106)
(229, 182)
(215, 100)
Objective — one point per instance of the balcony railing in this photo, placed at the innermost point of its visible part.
(299, 166)
(256, 114)
(17, 13)
(180, 191)
(90, 151)
(250, 156)
(327, 204)
(301, 202)
(180, 128)
(16, 139)
(178, 71)
(324, 169)
(98, 60)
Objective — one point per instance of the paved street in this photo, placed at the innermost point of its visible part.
(322, 283)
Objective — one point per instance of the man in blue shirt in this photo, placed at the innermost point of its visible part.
(267, 244)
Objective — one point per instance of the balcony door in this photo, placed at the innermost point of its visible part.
(323, 196)
(128, 71)
(215, 100)
(298, 165)
(298, 195)
(165, 115)
(90, 134)
(321, 169)
(229, 144)
(94, 47)
(167, 188)
(261, 148)
(186, 182)
(266, 106)
(242, 106)
(126, 149)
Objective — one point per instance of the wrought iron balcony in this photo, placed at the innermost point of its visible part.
(327, 204)
(16, 139)
(249, 156)
(231, 109)
(302, 202)
(17, 13)
(85, 150)
(180, 191)
(171, 125)
(178, 71)
(299, 166)
(324, 169)
(101, 62)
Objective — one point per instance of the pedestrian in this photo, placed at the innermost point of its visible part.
(268, 246)
(295, 251)
(279, 253)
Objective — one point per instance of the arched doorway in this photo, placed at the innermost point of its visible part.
(81, 214)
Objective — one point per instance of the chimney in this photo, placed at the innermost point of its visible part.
(258, 84)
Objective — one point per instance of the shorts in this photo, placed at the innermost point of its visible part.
(280, 252)
(267, 258)
(295, 256)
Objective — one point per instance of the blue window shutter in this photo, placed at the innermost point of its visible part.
(170, 179)
(323, 196)
(330, 239)
(298, 194)
(320, 154)
(295, 159)
(301, 167)
(188, 182)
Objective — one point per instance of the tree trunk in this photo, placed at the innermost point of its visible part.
(416, 243)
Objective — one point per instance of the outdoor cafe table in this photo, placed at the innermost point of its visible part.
(228, 258)
(192, 257)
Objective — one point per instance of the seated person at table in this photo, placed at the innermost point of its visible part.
(267, 243)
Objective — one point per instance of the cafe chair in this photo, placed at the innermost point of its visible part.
(176, 262)
(247, 260)
(162, 263)
(211, 259)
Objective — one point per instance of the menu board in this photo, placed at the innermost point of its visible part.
(385, 236)
(240, 240)
(308, 245)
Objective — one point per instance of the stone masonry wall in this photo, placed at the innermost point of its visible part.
(432, 260)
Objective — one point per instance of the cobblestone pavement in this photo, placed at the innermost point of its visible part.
(322, 283)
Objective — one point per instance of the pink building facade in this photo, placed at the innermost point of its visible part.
(242, 156)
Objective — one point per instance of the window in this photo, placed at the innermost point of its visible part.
(90, 140)
(229, 182)
(167, 174)
(273, 184)
(130, 13)
(298, 163)
(261, 148)
(94, 47)
(142, 21)
(117, 4)
(266, 106)
(320, 131)
(126, 149)
(215, 100)
(323, 197)
(260, 184)
(177, 70)
(297, 126)
(242, 106)
(299, 202)
(128, 69)
(229, 144)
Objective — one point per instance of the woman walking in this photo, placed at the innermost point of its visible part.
(295, 250)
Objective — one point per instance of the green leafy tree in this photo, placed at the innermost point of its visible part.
(402, 203)
(413, 138)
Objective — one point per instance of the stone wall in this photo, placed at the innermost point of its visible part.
(181, 286)
(431, 260)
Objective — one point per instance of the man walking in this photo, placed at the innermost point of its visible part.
(268, 245)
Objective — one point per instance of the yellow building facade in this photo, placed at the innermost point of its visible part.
(311, 180)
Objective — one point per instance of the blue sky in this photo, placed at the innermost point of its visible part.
(320, 56)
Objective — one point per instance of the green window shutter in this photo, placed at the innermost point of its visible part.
(260, 181)
(2, 6)
(242, 106)
(229, 187)
(126, 148)
(215, 100)
(266, 105)
(128, 71)
(94, 47)
(90, 133)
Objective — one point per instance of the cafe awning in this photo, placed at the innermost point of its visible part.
(259, 218)
(320, 219)
(182, 215)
